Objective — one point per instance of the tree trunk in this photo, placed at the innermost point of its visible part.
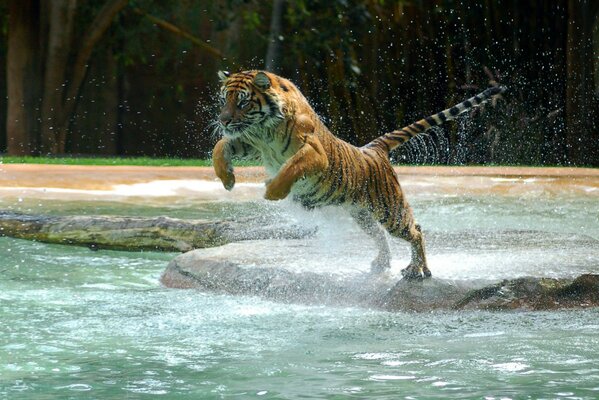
(95, 130)
(60, 35)
(96, 30)
(581, 114)
(273, 53)
(22, 75)
(596, 51)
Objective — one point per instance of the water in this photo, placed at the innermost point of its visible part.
(81, 324)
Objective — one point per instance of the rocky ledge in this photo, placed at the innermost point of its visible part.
(136, 233)
(191, 270)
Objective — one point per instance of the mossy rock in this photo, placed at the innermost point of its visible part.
(138, 234)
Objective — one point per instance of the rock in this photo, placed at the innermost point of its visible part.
(129, 233)
(535, 294)
(193, 270)
(426, 295)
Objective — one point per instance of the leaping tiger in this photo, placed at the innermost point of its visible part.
(265, 117)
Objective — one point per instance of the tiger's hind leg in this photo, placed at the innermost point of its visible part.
(418, 267)
(369, 225)
(406, 229)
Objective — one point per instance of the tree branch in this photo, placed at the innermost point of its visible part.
(96, 30)
(60, 33)
(180, 32)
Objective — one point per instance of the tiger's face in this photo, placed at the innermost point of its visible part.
(247, 103)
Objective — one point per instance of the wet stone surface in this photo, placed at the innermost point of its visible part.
(191, 270)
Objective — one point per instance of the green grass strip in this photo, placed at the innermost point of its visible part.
(122, 161)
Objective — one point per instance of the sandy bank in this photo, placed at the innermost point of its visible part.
(105, 177)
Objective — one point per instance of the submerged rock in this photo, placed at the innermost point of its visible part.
(193, 270)
(132, 233)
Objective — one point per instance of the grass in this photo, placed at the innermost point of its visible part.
(125, 161)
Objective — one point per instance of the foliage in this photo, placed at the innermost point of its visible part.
(367, 66)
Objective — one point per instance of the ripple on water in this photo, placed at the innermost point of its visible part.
(392, 377)
(148, 386)
(510, 367)
(76, 387)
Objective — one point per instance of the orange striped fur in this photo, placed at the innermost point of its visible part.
(265, 117)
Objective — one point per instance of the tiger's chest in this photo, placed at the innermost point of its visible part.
(277, 146)
(273, 159)
(274, 146)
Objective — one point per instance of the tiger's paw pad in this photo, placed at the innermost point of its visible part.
(413, 273)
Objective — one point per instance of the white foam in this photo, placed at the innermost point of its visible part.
(510, 367)
(174, 187)
(392, 377)
(484, 334)
(154, 189)
(506, 179)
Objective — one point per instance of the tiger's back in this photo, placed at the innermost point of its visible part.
(354, 176)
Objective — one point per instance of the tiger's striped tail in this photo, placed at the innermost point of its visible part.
(394, 139)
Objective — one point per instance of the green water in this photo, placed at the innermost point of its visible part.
(81, 324)
(176, 209)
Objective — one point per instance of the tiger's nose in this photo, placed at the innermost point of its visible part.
(225, 118)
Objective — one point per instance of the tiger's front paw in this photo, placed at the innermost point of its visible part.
(226, 176)
(228, 181)
(275, 190)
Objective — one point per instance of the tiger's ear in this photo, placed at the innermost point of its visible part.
(262, 81)
(223, 75)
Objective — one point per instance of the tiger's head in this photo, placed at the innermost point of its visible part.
(249, 103)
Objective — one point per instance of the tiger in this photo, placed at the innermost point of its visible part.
(265, 118)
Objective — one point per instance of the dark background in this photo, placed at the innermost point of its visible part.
(118, 77)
